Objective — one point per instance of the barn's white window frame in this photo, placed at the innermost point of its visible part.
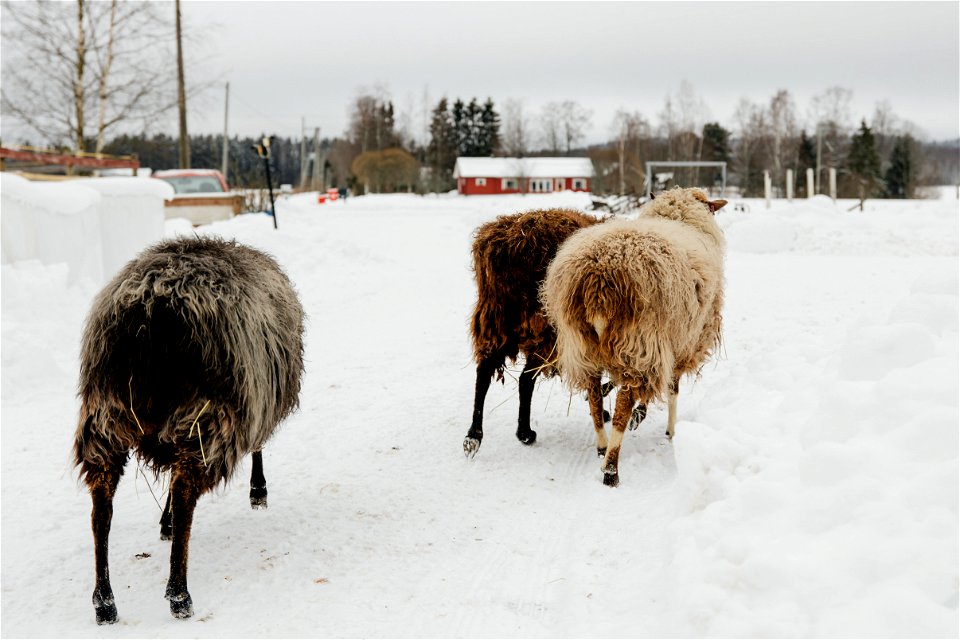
(579, 183)
(507, 184)
(559, 184)
(541, 185)
(480, 182)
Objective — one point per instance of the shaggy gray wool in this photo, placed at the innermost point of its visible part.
(237, 323)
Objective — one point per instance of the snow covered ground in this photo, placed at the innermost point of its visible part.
(812, 488)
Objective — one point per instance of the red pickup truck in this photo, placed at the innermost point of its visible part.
(202, 195)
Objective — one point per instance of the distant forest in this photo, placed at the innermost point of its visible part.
(881, 156)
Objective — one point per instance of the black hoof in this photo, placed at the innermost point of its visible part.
(470, 446)
(258, 497)
(611, 477)
(181, 605)
(106, 609)
(606, 416)
(166, 534)
(528, 437)
(601, 452)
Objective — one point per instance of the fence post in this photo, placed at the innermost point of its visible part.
(766, 187)
(809, 183)
(789, 185)
(833, 184)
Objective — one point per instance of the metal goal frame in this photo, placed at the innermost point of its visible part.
(684, 163)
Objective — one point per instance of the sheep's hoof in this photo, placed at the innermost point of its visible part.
(637, 416)
(258, 497)
(611, 477)
(528, 437)
(181, 605)
(606, 416)
(105, 607)
(166, 533)
(470, 446)
(601, 452)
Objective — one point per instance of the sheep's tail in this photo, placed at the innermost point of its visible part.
(608, 316)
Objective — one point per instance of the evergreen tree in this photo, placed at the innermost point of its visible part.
(490, 129)
(472, 130)
(901, 175)
(442, 150)
(863, 162)
(461, 129)
(716, 146)
(806, 153)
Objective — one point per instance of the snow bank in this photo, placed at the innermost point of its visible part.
(131, 217)
(821, 490)
(51, 222)
(94, 226)
(818, 226)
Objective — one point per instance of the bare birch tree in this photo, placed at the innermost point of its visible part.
(551, 126)
(64, 61)
(782, 125)
(515, 138)
(576, 121)
(631, 130)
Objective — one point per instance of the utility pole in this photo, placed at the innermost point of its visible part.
(226, 145)
(182, 99)
(316, 160)
(818, 158)
(304, 160)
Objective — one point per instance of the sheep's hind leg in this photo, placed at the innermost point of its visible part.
(485, 370)
(102, 482)
(186, 486)
(525, 434)
(626, 399)
(595, 398)
(637, 416)
(672, 407)
(166, 530)
(258, 483)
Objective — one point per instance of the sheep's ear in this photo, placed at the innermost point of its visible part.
(716, 205)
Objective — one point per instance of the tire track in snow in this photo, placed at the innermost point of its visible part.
(520, 585)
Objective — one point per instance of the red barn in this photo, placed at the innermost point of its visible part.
(488, 176)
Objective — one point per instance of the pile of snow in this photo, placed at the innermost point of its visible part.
(93, 226)
(820, 226)
(811, 490)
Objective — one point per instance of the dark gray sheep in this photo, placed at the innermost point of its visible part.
(191, 356)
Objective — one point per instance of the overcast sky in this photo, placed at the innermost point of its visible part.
(291, 60)
(287, 60)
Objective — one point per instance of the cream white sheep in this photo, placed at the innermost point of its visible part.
(641, 300)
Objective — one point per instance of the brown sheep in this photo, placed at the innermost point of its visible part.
(641, 300)
(190, 357)
(510, 258)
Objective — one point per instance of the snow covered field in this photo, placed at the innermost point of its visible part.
(812, 488)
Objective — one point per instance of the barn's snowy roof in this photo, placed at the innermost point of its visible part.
(523, 167)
